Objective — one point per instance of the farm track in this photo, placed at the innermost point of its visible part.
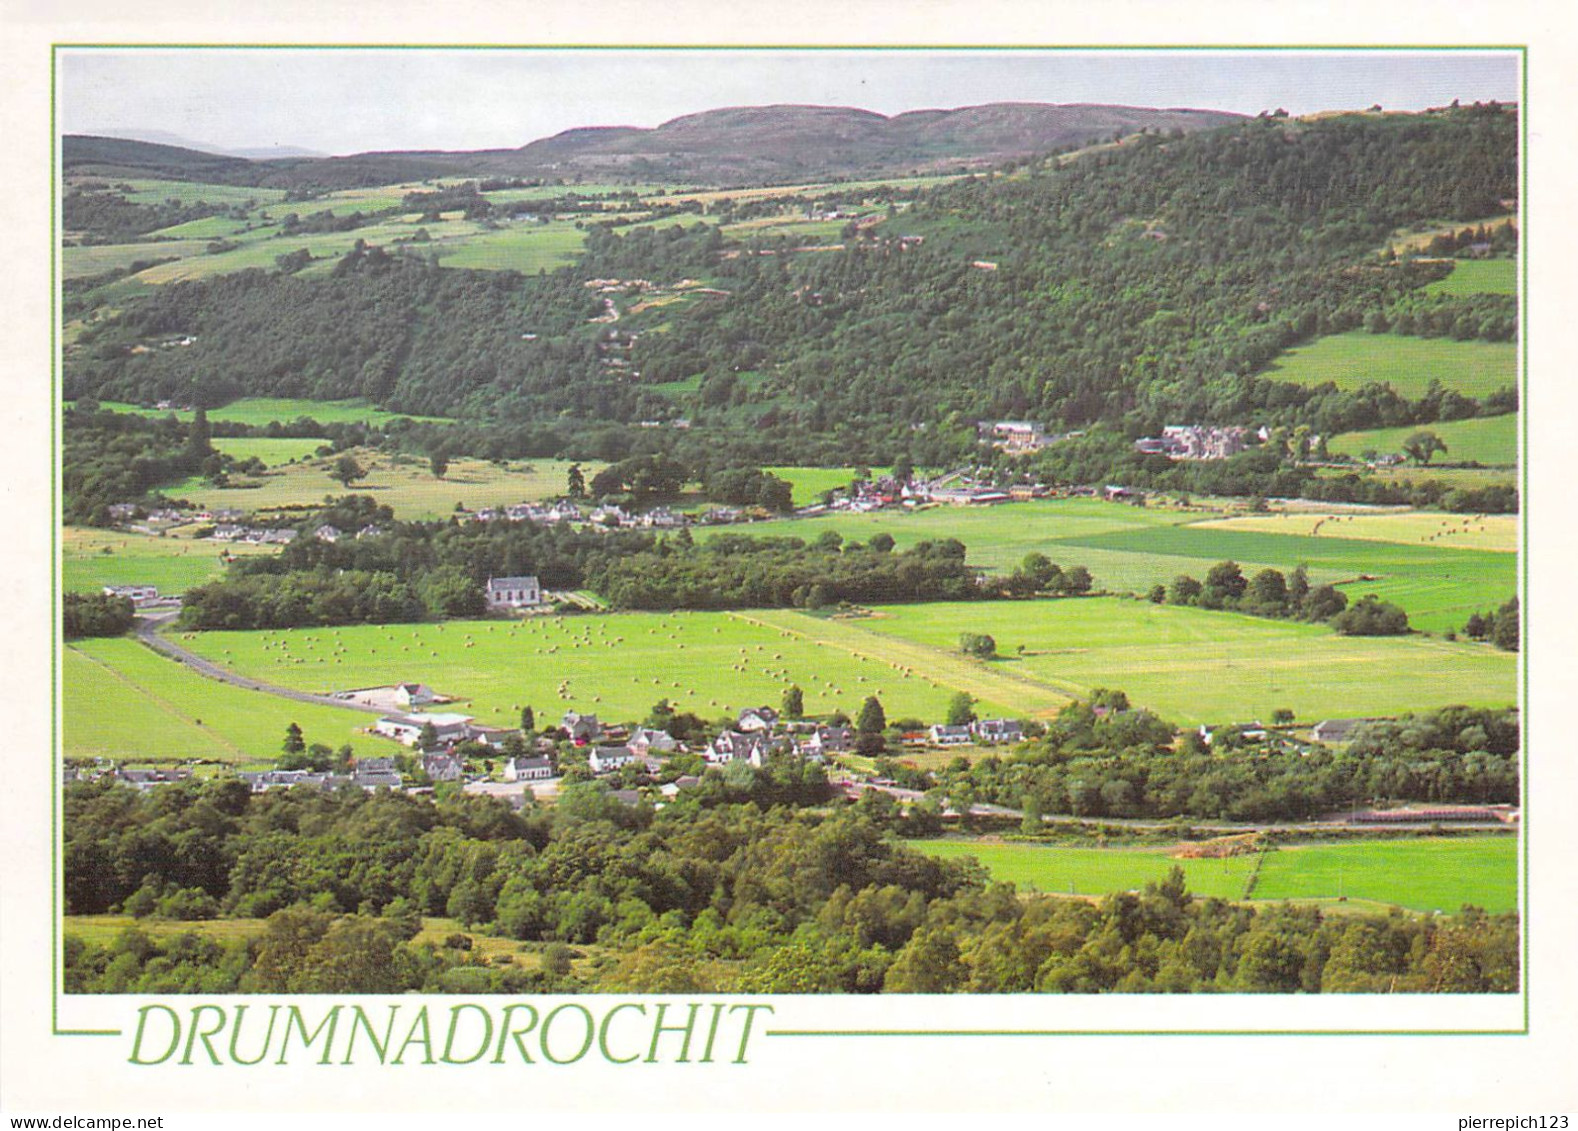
(148, 633)
(933, 664)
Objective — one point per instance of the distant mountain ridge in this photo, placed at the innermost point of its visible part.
(731, 145)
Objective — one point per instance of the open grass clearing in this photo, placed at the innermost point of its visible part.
(1478, 277)
(272, 452)
(260, 411)
(102, 930)
(810, 482)
(1468, 478)
(78, 261)
(1355, 359)
(1093, 871)
(405, 484)
(1428, 874)
(123, 701)
(171, 563)
(523, 247)
(1424, 874)
(1488, 440)
(1195, 666)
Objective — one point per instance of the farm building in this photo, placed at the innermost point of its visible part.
(407, 729)
(513, 593)
(139, 595)
(1336, 730)
(408, 695)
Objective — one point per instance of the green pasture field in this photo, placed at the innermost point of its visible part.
(1355, 359)
(260, 411)
(405, 484)
(998, 538)
(794, 226)
(273, 453)
(78, 261)
(1490, 440)
(1495, 532)
(1196, 666)
(615, 665)
(1478, 277)
(1433, 874)
(124, 701)
(1425, 874)
(1439, 581)
(522, 247)
(1093, 871)
(810, 482)
(1436, 585)
(171, 563)
(260, 248)
(208, 228)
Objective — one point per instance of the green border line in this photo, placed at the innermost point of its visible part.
(1142, 1032)
(55, 426)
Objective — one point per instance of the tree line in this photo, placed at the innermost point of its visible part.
(706, 894)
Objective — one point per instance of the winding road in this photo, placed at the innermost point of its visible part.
(148, 626)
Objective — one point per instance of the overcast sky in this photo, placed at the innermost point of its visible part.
(350, 101)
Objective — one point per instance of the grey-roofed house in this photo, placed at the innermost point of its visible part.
(514, 592)
(605, 758)
(442, 767)
(997, 731)
(376, 773)
(527, 769)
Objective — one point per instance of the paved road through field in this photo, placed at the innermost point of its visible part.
(148, 626)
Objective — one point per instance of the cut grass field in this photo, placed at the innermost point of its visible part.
(617, 665)
(1425, 875)
(1496, 532)
(1355, 359)
(1190, 665)
(261, 411)
(1478, 277)
(123, 701)
(407, 485)
(1194, 666)
(1489, 440)
(173, 564)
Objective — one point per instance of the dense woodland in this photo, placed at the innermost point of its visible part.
(709, 894)
(1144, 284)
(1125, 763)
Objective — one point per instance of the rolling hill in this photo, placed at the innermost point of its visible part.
(736, 145)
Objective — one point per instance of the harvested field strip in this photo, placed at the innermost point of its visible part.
(1014, 693)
